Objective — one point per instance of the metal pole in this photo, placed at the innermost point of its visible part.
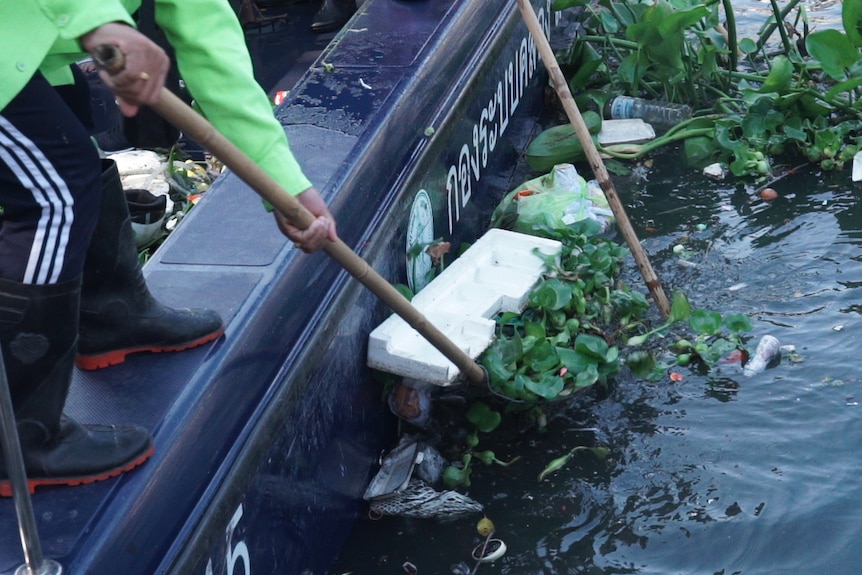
(34, 562)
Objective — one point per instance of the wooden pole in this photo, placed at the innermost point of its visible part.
(562, 88)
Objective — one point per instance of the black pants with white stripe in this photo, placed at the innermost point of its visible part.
(50, 187)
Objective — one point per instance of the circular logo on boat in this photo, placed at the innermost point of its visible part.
(420, 234)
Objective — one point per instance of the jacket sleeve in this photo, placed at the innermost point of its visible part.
(74, 18)
(31, 29)
(215, 64)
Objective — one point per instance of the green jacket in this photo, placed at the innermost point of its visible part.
(211, 54)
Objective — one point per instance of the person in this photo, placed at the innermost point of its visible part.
(332, 15)
(51, 189)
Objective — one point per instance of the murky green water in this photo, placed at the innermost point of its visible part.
(717, 473)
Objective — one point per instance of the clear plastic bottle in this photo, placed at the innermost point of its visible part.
(768, 353)
(658, 113)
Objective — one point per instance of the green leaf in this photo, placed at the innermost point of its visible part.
(703, 321)
(555, 465)
(699, 150)
(631, 69)
(592, 346)
(600, 260)
(737, 322)
(609, 22)
(586, 60)
(717, 350)
(833, 50)
(637, 340)
(677, 22)
(518, 387)
(780, 76)
(551, 294)
(587, 377)
(851, 17)
(842, 87)
(483, 417)
(454, 477)
(748, 46)
(574, 361)
(498, 372)
(542, 357)
(762, 119)
(563, 4)
(601, 453)
(641, 363)
(534, 329)
(548, 386)
(560, 144)
(679, 308)
(404, 290)
(793, 129)
(510, 350)
(487, 457)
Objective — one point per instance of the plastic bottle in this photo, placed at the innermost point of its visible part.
(654, 112)
(768, 353)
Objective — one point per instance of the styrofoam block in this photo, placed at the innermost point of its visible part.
(856, 175)
(494, 275)
(403, 351)
(137, 162)
(625, 131)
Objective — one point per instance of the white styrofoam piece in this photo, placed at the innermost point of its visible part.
(626, 131)
(494, 275)
(137, 162)
(714, 171)
(857, 167)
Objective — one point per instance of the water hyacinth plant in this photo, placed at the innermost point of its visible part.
(788, 94)
(564, 340)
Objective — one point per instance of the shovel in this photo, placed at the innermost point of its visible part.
(178, 113)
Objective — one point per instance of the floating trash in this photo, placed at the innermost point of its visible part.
(768, 353)
(485, 527)
(422, 501)
(768, 194)
(715, 171)
(489, 551)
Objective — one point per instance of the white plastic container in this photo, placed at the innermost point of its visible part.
(495, 274)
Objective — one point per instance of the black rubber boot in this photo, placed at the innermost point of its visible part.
(119, 315)
(38, 335)
(333, 14)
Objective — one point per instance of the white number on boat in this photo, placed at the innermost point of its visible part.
(233, 553)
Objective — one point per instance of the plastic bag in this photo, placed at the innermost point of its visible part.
(553, 201)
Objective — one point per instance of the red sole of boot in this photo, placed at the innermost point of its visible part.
(118, 356)
(32, 484)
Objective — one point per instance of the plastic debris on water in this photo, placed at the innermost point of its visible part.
(768, 353)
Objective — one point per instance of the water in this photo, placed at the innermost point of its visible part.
(717, 473)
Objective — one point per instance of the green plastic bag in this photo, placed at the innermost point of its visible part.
(553, 201)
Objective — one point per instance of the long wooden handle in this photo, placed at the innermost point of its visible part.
(562, 88)
(201, 131)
